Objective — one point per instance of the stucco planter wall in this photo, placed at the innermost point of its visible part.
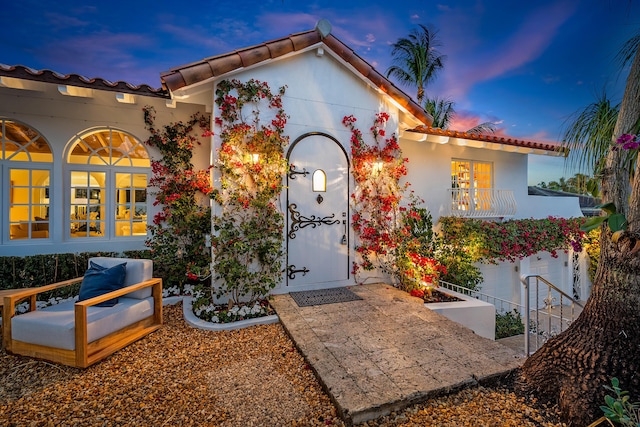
(193, 321)
(479, 316)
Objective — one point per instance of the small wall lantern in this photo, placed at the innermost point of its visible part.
(376, 168)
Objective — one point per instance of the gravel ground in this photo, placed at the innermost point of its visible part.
(179, 376)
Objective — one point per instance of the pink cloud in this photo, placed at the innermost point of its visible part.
(540, 136)
(106, 55)
(465, 120)
(470, 61)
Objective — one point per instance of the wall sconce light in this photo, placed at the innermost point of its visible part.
(251, 158)
(376, 168)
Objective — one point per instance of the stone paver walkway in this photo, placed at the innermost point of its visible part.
(387, 351)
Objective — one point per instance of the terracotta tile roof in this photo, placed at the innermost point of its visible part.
(215, 66)
(48, 76)
(504, 140)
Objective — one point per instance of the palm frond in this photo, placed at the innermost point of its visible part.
(482, 128)
(628, 50)
(442, 111)
(416, 59)
(588, 134)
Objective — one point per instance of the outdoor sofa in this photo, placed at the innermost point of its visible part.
(82, 333)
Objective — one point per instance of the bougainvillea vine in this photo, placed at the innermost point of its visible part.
(179, 229)
(248, 223)
(392, 232)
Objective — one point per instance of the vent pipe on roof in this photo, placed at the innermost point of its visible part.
(323, 27)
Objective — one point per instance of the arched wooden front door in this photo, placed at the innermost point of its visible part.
(317, 214)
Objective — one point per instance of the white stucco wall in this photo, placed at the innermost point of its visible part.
(59, 118)
(543, 207)
(320, 91)
(429, 172)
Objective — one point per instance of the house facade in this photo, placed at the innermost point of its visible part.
(74, 169)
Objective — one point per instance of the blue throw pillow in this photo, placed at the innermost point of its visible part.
(99, 280)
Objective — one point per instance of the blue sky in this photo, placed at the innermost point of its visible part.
(527, 66)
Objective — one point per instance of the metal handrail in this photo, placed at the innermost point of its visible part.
(482, 202)
(525, 279)
(498, 303)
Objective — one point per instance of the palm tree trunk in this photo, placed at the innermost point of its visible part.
(604, 342)
(420, 94)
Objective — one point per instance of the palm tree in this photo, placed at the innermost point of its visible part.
(573, 367)
(578, 183)
(559, 185)
(442, 111)
(417, 59)
(588, 134)
(482, 128)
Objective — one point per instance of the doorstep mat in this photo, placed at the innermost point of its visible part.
(323, 296)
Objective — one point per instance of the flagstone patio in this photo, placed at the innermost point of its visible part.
(387, 351)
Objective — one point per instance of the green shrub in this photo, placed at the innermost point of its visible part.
(509, 324)
(179, 232)
(620, 409)
(39, 270)
(461, 269)
(493, 242)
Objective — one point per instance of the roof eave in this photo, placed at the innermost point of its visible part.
(220, 66)
(492, 142)
(47, 76)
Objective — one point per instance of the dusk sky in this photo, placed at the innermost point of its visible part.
(526, 66)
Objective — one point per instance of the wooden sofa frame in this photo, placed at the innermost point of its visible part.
(85, 353)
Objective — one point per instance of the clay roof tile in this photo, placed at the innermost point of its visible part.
(221, 64)
(280, 47)
(48, 76)
(492, 139)
(254, 55)
(305, 39)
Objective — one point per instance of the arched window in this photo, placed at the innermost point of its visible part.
(25, 166)
(319, 181)
(108, 171)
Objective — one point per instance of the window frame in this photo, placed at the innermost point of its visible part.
(108, 199)
(6, 185)
(471, 197)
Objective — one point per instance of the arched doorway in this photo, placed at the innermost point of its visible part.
(317, 225)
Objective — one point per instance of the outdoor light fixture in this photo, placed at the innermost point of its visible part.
(428, 287)
(377, 167)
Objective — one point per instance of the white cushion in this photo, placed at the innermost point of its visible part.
(54, 326)
(137, 270)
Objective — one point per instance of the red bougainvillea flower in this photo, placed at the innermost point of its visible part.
(417, 293)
